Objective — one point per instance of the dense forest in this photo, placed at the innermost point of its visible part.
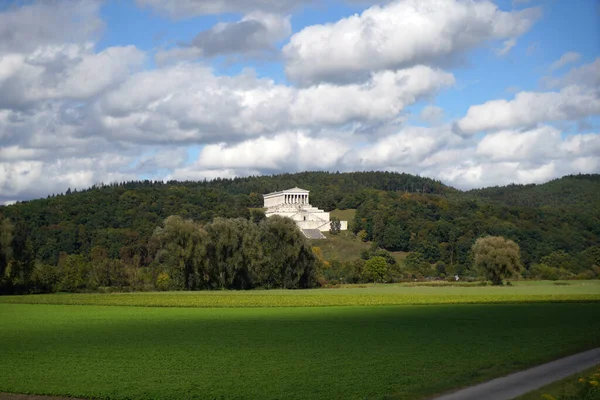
(118, 226)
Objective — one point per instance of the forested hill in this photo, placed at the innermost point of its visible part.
(557, 223)
(121, 216)
(572, 191)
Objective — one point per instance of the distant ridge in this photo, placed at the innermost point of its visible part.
(571, 191)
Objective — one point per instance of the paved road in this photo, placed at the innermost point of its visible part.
(519, 383)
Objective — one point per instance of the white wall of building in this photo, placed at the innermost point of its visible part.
(294, 204)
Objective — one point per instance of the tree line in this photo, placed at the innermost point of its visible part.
(187, 255)
(114, 228)
(442, 229)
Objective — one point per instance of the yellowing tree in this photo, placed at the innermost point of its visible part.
(497, 258)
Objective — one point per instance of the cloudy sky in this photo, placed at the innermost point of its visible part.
(473, 93)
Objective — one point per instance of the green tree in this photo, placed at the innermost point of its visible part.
(181, 249)
(559, 259)
(290, 261)
(395, 238)
(257, 215)
(45, 278)
(73, 271)
(375, 269)
(6, 238)
(335, 226)
(430, 251)
(233, 252)
(496, 258)
(417, 265)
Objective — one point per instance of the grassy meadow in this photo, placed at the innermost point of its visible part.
(277, 344)
(347, 295)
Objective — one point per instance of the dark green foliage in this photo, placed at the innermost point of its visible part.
(45, 278)
(569, 192)
(375, 269)
(234, 254)
(182, 249)
(556, 224)
(418, 266)
(395, 238)
(6, 252)
(289, 260)
(497, 258)
(335, 226)
(444, 227)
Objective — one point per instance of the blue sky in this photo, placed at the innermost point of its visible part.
(473, 93)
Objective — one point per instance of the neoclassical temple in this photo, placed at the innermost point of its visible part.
(294, 204)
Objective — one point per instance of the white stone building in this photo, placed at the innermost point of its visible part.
(294, 204)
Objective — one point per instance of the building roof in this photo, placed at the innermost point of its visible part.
(295, 190)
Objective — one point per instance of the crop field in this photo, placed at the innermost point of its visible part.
(353, 352)
(371, 295)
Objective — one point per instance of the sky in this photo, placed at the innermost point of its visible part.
(471, 93)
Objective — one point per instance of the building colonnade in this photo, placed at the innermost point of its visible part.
(296, 199)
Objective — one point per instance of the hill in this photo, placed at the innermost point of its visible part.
(557, 224)
(572, 191)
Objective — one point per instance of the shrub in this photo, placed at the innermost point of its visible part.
(45, 278)
(163, 281)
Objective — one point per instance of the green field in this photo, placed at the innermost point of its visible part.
(344, 215)
(353, 352)
(358, 295)
(343, 247)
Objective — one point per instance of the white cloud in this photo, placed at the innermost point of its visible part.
(30, 179)
(497, 159)
(254, 34)
(72, 116)
(381, 98)
(432, 114)
(192, 8)
(397, 35)
(23, 29)
(285, 151)
(70, 71)
(536, 144)
(567, 58)
(529, 108)
(187, 103)
(507, 47)
(586, 75)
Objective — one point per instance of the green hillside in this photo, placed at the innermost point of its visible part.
(573, 191)
(556, 224)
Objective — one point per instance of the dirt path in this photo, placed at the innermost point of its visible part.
(517, 384)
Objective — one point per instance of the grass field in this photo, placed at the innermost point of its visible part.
(403, 352)
(199, 345)
(344, 215)
(343, 247)
(369, 295)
